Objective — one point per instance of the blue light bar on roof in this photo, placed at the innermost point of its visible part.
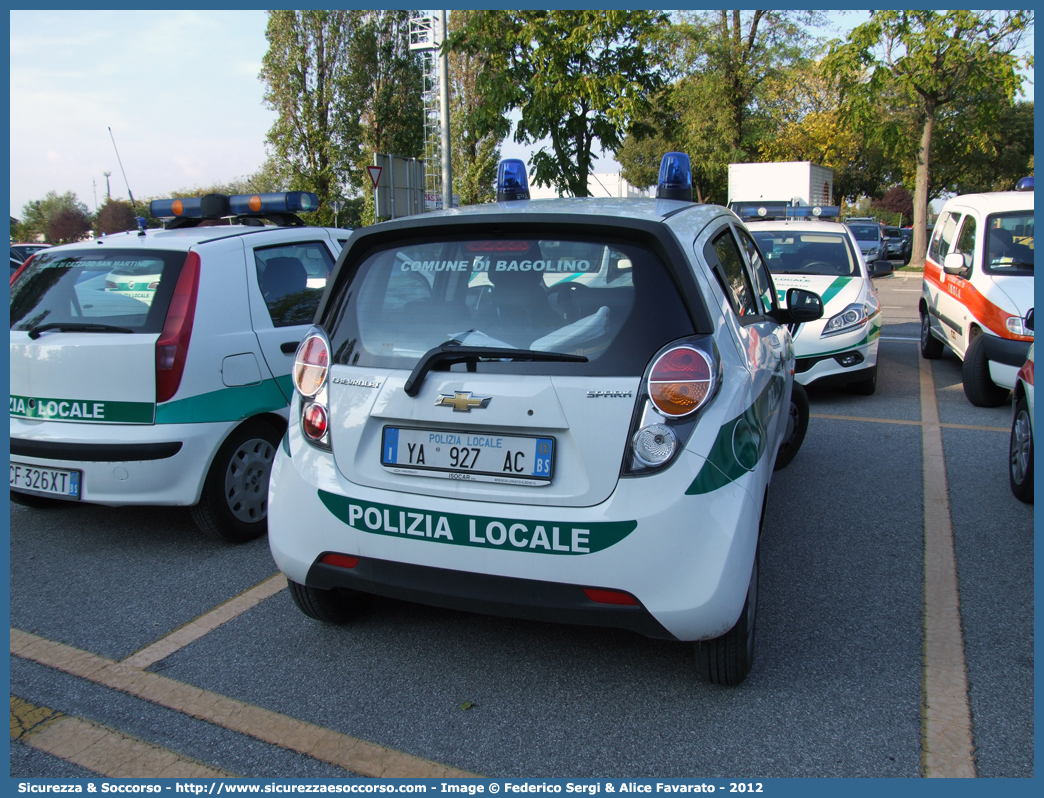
(784, 210)
(1025, 184)
(512, 181)
(216, 206)
(675, 177)
(185, 208)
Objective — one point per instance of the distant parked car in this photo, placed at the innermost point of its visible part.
(895, 245)
(23, 251)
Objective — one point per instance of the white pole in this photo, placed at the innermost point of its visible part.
(444, 114)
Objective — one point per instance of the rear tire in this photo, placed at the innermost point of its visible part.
(338, 606)
(975, 374)
(797, 426)
(931, 347)
(234, 503)
(1020, 453)
(727, 660)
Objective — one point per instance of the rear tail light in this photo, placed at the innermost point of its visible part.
(314, 421)
(172, 346)
(311, 365)
(310, 376)
(680, 381)
(21, 269)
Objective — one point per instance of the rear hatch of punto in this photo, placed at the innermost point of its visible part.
(84, 327)
(497, 365)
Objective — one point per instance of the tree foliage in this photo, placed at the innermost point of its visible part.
(59, 218)
(576, 78)
(115, 216)
(475, 153)
(928, 61)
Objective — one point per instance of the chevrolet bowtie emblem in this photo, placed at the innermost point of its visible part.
(462, 401)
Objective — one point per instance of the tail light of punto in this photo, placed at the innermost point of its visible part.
(310, 376)
(680, 381)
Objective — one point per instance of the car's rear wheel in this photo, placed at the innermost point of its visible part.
(1020, 453)
(931, 347)
(727, 660)
(975, 374)
(234, 503)
(338, 606)
(797, 426)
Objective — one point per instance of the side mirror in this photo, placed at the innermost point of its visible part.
(954, 264)
(879, 268)
(803, 306)
(1028, 323)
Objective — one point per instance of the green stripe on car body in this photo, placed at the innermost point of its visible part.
(535, 537)
(227, 404)
(740, 443)
(832, 290)
(81, 410)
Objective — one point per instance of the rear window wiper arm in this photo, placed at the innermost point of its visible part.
(64, 326)
(448, 354)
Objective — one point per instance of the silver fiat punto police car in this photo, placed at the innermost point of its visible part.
(566, 410)
(153, 367)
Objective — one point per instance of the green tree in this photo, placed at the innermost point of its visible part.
(307, 72)
(59, 218)
(576, 77)
(993, 160)
(725, 61)
(931, 60)
(804, 106)
(116, 216)
(475, 154)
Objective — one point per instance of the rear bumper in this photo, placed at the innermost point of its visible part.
(508, 597)
(161, 464)
(685, 558)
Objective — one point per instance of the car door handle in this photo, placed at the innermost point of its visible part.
(289, 347)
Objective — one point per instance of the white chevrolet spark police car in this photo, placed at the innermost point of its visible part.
(478, 425)
(978, 289)
(803, 249)
(153, 367)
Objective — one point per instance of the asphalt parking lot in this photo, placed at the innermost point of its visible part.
(139, 647)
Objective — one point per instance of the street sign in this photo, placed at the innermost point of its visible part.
(375, 174)
(336, 205)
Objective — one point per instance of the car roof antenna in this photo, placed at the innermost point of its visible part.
(121, 167)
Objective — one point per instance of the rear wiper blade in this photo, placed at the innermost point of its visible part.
(65, 326)
(448, 354)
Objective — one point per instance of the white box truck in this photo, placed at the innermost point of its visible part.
(795, 182)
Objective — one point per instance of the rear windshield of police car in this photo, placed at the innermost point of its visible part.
(612, 302)
(123, 288)
(1009, 244)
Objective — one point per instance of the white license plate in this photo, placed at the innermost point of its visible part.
(46, 481)
(470, 457)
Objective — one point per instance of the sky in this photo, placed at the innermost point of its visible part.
(179, 90)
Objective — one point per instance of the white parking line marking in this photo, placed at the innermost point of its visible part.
(947, 744)
(908, 422)
(351, 753)
(206, 623)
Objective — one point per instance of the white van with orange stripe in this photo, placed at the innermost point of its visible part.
(978, 289)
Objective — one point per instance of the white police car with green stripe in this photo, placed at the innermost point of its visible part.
(153, 367)
(565, 409)
(810, 252)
